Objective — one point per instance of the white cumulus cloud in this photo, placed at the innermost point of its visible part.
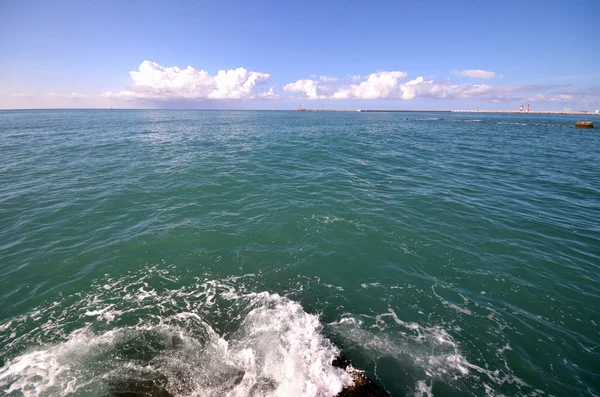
(270, 94)
(476, 74)
(382, 85)
(309, 87)
(153, 81)
(389, 85)
(354, 77)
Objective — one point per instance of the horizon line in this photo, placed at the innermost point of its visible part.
(497, 111)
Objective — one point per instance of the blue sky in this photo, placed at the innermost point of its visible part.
(384, 54)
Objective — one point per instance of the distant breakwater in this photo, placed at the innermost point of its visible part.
(450, 111)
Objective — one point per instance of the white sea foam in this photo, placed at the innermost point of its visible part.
(370, 285)
(453, 305)
(326, 218)
(277, 350)
(423, 389)
(52, 370)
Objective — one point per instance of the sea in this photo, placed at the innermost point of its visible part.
(238, 253)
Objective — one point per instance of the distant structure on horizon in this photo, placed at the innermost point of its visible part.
(520, 111)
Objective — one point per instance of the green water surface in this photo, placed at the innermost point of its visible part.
(448, 254)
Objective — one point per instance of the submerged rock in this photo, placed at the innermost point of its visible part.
(363, 386)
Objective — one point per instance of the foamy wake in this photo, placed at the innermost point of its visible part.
(157, 335)
(277, 350)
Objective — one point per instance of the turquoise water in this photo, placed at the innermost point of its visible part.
(236, 253)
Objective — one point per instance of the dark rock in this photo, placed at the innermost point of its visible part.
(363, 386)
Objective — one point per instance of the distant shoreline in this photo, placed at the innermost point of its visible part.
(487, 111)
(453, 111)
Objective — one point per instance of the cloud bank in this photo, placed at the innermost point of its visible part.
(173, 86)
(389, 85)
(153, 81)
